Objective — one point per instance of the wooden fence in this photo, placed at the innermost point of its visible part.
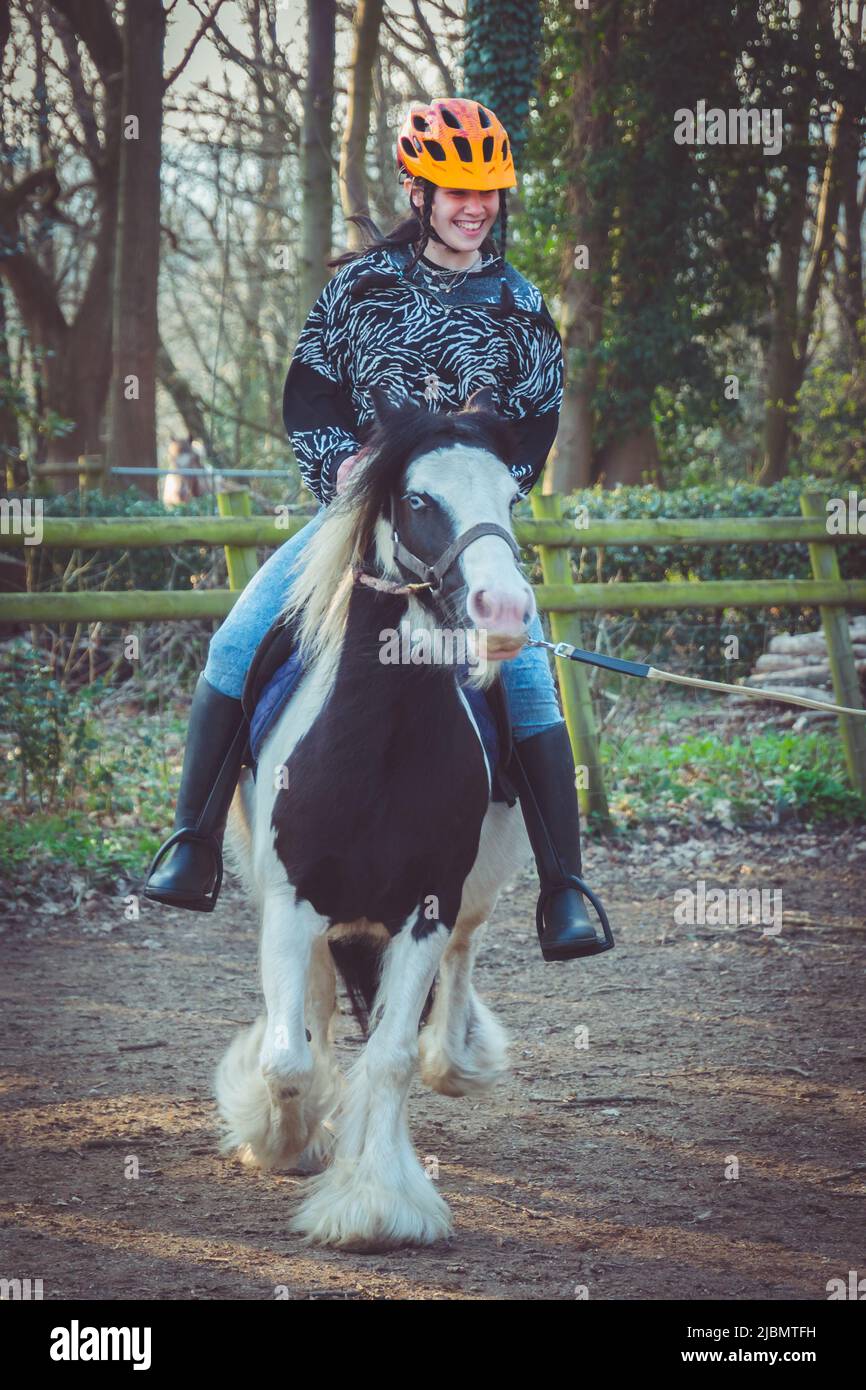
(553, 537)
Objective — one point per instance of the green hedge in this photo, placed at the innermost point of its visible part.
(696, 636)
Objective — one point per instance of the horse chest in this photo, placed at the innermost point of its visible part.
(385, 794)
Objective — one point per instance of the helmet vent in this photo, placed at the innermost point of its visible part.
(504, 149)
(463, 148)
(407, 146)
(483, 119)
(420, 122)
(487, 148)
(435, 149)
(449, 118)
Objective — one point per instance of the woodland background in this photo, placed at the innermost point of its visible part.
(191, 255)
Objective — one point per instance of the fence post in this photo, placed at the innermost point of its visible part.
(241, 560)
(573, 683)
(846, 684)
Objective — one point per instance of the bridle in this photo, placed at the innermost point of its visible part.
(431, 576)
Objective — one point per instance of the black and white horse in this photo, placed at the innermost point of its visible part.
(369, 835)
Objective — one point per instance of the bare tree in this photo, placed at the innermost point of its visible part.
(353, 173)
(316, 149)
(132, 399)
(73, 350)
(584, 267)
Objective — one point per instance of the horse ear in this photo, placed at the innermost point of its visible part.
(382, 407)
(482, 399)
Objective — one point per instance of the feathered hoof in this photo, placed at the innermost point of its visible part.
(477, 1068)
(278, 1148)
(349, 1212)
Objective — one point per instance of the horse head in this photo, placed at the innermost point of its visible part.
(433, 499)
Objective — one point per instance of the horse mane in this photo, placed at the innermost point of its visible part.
(318, 598)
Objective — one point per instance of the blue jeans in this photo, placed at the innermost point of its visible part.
(527, 678)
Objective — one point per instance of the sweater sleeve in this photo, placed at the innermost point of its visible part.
(317, 410)
(536, 397)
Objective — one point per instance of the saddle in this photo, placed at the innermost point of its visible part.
(277, 669)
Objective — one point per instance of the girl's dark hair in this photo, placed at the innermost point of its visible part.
(416, 230)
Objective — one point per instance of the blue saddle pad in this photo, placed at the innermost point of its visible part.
(279, 689)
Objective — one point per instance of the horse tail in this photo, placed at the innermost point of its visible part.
(357, 955)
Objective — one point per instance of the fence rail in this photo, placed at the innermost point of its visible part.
(103, 532)
(548, 532)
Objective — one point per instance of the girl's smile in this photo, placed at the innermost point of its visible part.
(462, 218)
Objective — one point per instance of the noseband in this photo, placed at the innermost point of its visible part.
(432, 576)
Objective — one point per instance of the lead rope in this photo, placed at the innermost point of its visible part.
(652, 673)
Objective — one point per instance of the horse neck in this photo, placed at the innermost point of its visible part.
(361, 665)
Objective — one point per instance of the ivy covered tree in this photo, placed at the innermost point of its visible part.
(651, 247)
(500, 60)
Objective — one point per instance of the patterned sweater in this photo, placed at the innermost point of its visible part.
(375, 325)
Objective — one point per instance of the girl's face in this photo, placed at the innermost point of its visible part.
(462, 217)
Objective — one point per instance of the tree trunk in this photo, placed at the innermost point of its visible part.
(631, 460)
(793, 317)
(353, 174)
(386, 190)
(317, 165)
(791, 322)
(72, 362)
(851, 290)
(13, 469)
(581, 289)
(132, 398)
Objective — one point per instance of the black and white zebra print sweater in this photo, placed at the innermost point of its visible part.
(374, 325)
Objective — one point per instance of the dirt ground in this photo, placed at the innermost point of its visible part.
(600, 1168)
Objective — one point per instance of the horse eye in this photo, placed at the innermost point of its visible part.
(415, 500)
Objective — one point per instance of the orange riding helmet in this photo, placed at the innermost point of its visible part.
(456, 143)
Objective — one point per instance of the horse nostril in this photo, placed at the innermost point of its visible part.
(481, 606)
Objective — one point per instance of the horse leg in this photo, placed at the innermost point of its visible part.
(272, 1090)
(376, 1194)
(327, 1081)
(464, 1048)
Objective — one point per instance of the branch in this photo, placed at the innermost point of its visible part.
(825, 226)
(93, 22)
(206, 23)
(432, 47)
(82, 101)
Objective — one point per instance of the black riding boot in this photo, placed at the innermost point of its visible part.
(543, 774)
(215, 745)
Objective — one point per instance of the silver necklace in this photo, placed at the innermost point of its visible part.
(458, 276)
